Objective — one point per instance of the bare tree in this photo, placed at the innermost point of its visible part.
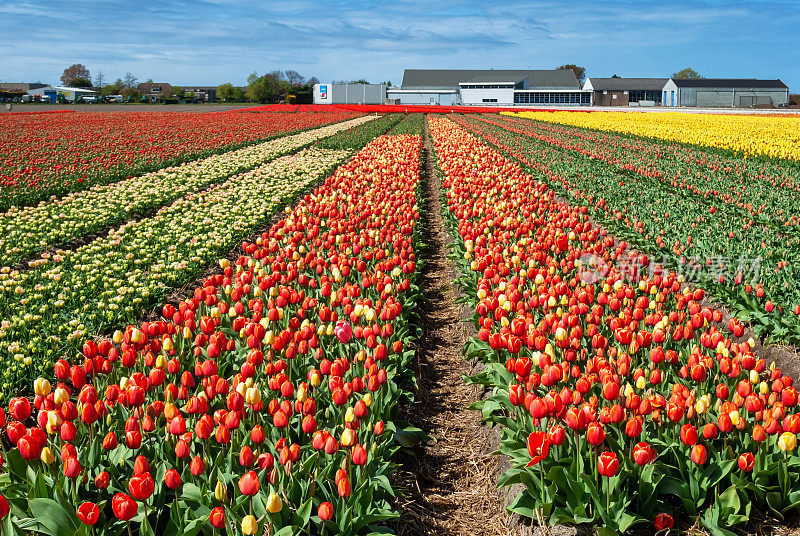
(99, 78)
(75, 72)
(294, 78)
(129, 80)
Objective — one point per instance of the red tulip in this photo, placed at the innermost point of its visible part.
(141, 465)
(257, 435)
(607, 464)
(688, 434)
(217, 517)
(538, 447)
(72, 468)
(28, 448)
(172, 479)
(662, 522)
(634, 427)
(197, 466)
(746, 461)
(359, 455)
(643, 453)
(557, 435)
(124, 506)
(141, 486)
(325, 511)
(102, 480)
(344, 488)
(249, 484)
(699, 455)
(19, 408)
(88, 513)
(133, 439)
(246, 457)
(595, 433)
(110, 441)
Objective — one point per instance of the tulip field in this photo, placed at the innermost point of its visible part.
(53, 154)
(210, 324)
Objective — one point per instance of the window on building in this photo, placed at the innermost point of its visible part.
(489, 100)
(542, 97)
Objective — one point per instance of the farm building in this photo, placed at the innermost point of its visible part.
(70, 94)
(154, 89)
(489, 87)
(625, 91)
(202, 93)
(724, 92)
(349, 93)
(19, 87)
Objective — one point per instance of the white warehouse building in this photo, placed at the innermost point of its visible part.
(491, 87)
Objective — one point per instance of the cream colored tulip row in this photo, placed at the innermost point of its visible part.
(75, 294)
(28, 230)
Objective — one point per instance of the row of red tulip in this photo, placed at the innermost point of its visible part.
(54, 154)
(741, 259)
(25, 231)
(263, 402)
(618, 400)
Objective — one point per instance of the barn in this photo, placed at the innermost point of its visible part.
(724, 92)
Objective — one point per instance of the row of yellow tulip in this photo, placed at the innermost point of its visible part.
(749, 135)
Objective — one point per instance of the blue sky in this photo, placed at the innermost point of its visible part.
(211, 42)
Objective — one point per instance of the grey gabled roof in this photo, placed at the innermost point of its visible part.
(630, 84)
(450, 78)
(494, 79)
(738, 83)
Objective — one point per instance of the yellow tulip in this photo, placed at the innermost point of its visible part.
(47, 456)
(787, 441)
(249, 525)
(274, 503)
(41, 387)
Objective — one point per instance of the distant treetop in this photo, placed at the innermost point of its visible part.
(688, 73)
(580, 72)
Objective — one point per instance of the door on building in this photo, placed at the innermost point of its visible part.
(672, 98)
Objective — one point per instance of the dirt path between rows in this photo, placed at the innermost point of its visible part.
(450, 483)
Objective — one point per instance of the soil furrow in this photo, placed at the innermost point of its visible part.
(450, 483)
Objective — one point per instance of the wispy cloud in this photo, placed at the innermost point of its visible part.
(213, 41)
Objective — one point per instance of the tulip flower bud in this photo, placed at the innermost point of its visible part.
(221, 491)
(47, 456)
(249, 525)
(274, 503)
